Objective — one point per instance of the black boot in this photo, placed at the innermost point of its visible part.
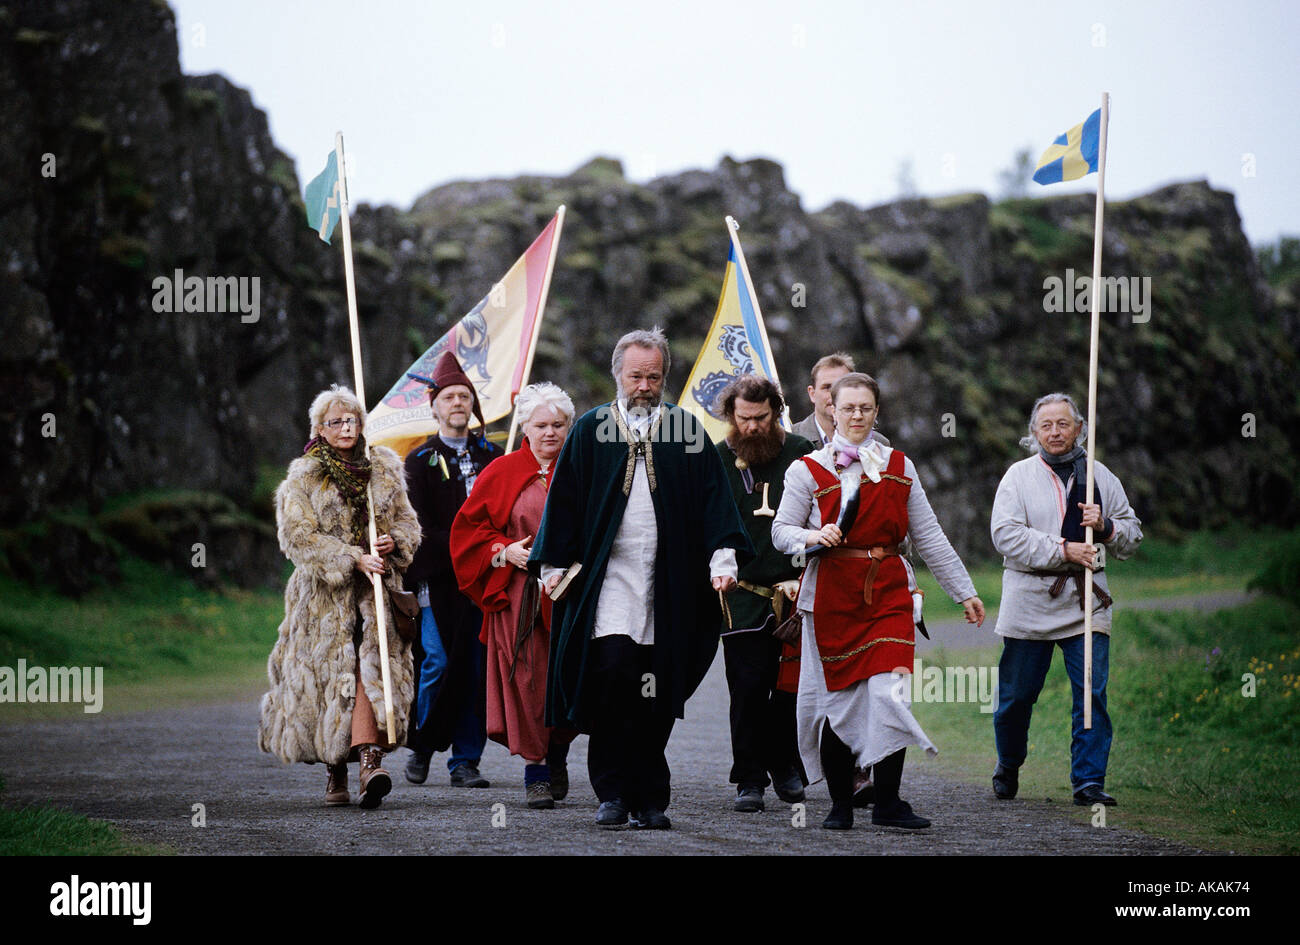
(1006, 781)
(890, 810)
(838, 763)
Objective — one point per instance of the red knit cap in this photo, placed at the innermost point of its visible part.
(447, 373)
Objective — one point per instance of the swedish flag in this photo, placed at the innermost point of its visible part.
(1073, 154)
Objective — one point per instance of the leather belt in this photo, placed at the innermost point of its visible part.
(877, 554)
(758, 589)
(1059, 585)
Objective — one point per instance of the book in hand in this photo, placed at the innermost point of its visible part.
(565, 580)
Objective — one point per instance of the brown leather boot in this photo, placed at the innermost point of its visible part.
(336, 788)
(375, 782)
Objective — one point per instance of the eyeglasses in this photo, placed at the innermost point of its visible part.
(340, 424)
(856, 411)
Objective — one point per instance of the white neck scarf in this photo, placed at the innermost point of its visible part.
(868, 452)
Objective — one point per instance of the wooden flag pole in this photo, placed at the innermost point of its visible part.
(359, 381)
(732, 229)
(1092, 401)
(537, 322)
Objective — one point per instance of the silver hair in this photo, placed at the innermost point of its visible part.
(1030, 442)
(339, 396)
(654, 338)
(543, 394)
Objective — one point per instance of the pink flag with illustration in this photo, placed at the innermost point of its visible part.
(491, 343)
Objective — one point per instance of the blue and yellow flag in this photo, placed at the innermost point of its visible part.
(737, 344)
(1073, 154)
(322, 199)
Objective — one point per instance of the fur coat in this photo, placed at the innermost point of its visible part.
(307, 715)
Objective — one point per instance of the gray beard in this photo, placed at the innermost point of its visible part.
(643, 408)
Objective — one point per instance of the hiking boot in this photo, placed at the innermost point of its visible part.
(467, 775)
(789, 788)
(1006, 782)
(1091, 794)
(375, 781)
(538, 795)
(336, 787)
(840, 817)
(749, 799)
(611, 814)
(898, 814)
(417, 767)
(652, 818)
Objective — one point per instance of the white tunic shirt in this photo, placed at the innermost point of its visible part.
(627, 598)
(626, 602)
(1026, 526)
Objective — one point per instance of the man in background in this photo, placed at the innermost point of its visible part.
(450, 700)
(755, 454)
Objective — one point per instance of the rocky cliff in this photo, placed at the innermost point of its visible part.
(122, 171)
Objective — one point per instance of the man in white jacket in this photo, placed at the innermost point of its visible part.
(1039, 517)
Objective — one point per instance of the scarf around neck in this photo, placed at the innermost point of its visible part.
(1074, 462)
(868, 453)
(350, 476)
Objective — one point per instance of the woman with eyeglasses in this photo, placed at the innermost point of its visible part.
(847, 509)
(326, 702)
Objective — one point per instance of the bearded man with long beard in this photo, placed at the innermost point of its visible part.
(762, 673)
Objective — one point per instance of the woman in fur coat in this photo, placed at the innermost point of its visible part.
(326, 701)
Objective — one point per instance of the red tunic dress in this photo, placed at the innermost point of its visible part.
(857, 640)
(505, 506)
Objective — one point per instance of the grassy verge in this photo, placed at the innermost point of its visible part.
(1198, 756)
(160, 639)
(1202, 563)
(44, 831)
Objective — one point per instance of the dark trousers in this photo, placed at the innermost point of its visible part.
(629, 731)
(449, 709)
(763, 734)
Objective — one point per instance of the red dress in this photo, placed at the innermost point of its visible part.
(505, 506)
(857, 640)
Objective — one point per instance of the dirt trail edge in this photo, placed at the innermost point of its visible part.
(146, 772)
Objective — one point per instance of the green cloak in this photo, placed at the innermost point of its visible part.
(769, 566)
(695, 514)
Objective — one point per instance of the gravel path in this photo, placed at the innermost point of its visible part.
(145, 772)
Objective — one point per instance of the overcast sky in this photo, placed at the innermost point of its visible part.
(840, 93)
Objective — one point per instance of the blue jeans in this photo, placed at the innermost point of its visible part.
(469, 738)
(1021, 672)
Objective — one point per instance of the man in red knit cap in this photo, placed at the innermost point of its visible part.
(440, 473)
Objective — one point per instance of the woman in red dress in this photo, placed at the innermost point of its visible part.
(490, 541)
(848, 507)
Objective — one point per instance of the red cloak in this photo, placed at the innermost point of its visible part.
(478, 531)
